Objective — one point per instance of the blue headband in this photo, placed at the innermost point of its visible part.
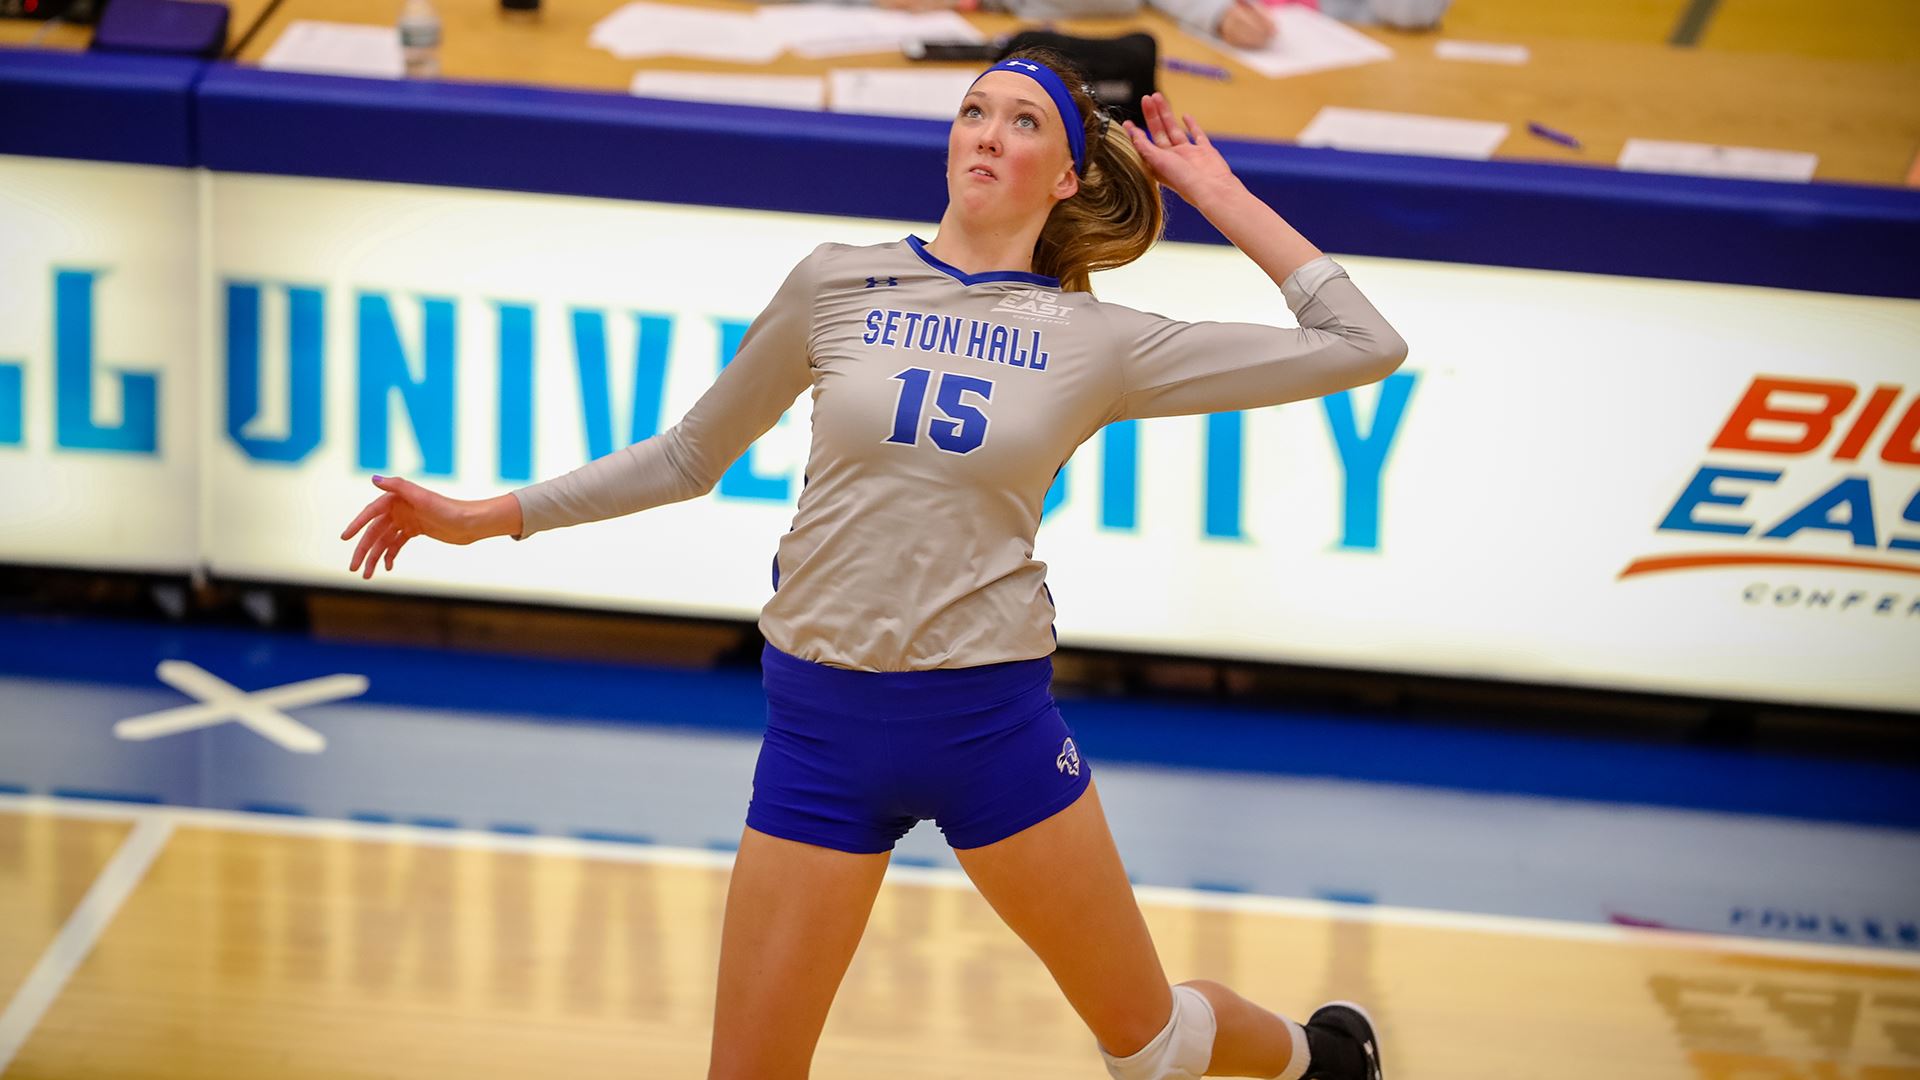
(1062, 100)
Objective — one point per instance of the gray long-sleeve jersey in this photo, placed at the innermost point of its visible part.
(943, 405)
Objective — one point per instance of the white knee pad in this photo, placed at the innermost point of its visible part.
(1181, 1050)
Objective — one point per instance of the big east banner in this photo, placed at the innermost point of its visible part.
(1817, 485)
(1575, 479)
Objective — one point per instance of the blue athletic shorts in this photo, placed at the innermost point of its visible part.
(853, 759)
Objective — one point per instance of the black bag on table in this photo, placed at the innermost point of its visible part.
(1120, 69)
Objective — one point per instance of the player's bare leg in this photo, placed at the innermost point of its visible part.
(795, 913)
(1061, 887)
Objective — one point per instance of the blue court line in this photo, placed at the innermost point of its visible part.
(108, 796)
(282, 809)
(126, 653)
(1161, 732)
(1340, 897)
(513, 829)
(1432, 753)
(12, 789)
(612, 837)
(1220, 887)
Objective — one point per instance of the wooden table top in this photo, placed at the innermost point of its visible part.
(1766, 73)
(1861, 116)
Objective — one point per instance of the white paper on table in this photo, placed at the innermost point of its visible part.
(1304, 41)
(1403, 133)
(772, 91)
(331, 48)
(1705, 159)
(932, 94)
(1481, 52)
(640, 30)
(822, 30)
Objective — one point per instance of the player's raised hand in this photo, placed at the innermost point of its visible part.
(404, 511)
(1179, 153)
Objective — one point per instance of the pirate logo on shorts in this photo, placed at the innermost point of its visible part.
(1069, 759)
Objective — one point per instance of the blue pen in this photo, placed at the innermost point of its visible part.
(1205, 71)
(1547, 133)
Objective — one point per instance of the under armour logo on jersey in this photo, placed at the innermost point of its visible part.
(874, 282)
(1069, 760)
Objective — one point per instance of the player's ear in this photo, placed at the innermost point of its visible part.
(1067, 186)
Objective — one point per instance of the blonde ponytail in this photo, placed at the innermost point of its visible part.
(1117, 214)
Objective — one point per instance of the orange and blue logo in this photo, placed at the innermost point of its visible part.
(1812, 478)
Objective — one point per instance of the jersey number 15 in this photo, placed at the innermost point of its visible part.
(964, 427)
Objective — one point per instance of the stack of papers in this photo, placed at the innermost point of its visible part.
(1481, 52)
(932, 94)
(1403, 133)
(641, 30)
(820, 30)
(1703, 159)
(1309, 41)
(927, 93)
(330, 48)
(771, 91)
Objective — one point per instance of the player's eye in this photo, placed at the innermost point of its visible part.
(969, 111)
(1028, 119)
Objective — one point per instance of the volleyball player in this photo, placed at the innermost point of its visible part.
(907, 666)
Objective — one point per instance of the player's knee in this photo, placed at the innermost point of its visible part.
(1182, 1049)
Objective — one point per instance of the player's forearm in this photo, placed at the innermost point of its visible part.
(498, 516)
(1253, 227)
(627, 481)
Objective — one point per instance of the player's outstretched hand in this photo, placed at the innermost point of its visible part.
(1179, 153)
(404, 511)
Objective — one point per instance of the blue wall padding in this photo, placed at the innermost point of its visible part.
(1409, 749)
(99, 107)
(1825, 237)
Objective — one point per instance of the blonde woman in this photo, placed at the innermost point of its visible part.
(907, 664)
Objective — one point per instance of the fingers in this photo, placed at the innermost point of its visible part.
(373, 510)
(384, 535)
(1193, 128)
(1149, 153)
(382, 547)
(1156, 123)
(399, 543)
(1167, 131)
(1246, 26)
(367, 541)
(1170, 126)
(1267, 28)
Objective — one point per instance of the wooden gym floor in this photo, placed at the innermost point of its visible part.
(161, 942)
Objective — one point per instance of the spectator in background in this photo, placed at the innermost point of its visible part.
(1244, 23)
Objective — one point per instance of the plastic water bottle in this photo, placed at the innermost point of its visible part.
(420, 39)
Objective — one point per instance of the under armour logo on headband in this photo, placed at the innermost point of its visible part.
(1062, 101)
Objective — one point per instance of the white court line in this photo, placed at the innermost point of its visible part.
(1195, 899)
(76, 939)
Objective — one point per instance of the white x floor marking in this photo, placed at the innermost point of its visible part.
(221, 701)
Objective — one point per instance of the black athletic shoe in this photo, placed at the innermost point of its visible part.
(1352, 1021)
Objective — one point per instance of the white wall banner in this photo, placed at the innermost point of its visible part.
(99, 340)
(1597, 481)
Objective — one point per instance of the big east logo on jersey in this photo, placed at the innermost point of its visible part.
(1035, 304)
(1801, 513)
